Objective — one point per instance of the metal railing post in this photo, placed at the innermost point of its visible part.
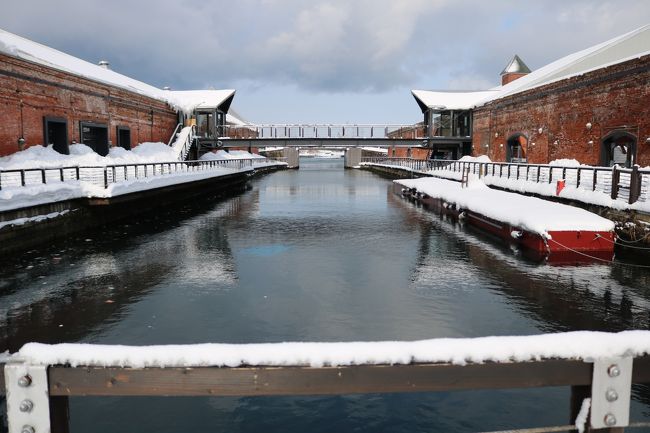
(616, 174)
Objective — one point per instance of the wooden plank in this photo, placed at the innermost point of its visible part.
(314, 381)
(245, 381)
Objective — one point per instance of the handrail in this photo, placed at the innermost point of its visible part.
(83, 381)
(106, 175)
(325, 131)
(628, 185)
(173, 136)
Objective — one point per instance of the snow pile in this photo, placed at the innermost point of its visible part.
(481, 158)
(583, 345)
(528, 213)
(242, 154)
(83, 156)
(221, 155)
(565, 163)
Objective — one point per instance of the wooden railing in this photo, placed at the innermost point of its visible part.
(64, 382)
(627, 185)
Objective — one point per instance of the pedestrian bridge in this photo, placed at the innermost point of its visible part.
(320, 135)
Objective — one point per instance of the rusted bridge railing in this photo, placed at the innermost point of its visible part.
(116, 173)
(54, 384)
(625, 185)
(323, 131)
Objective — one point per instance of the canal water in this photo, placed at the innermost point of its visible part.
(316, 254)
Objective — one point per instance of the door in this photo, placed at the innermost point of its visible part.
(55, 134)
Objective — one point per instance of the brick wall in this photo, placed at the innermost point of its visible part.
(617, 97)
(29, 92)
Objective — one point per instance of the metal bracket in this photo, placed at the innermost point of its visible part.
(28, 404)
(611, 387)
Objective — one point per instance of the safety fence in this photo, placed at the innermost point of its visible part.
(627, 185)
(111, 174)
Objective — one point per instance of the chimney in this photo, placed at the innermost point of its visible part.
(515, 69)
(104, 64)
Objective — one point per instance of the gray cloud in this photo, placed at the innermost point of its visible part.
(323, 46)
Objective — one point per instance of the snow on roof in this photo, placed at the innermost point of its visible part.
(17, 46)
(583, 345)
(190, 100)
(442, 100)
(622, 48)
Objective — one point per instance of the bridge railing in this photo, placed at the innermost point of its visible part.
(37, 393)
(347, 131)
(625, 185)
(105, 176)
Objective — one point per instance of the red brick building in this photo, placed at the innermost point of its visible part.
(592, 106)
(49, 97)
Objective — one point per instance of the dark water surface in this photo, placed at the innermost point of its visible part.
(319, 254)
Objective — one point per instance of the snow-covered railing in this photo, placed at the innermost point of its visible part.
(601, 367)
(111, 174)
(623, 185)
(324, 131)
(182, 141)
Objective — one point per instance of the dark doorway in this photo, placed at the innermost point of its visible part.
(55, 134)
(95, 136)
(618, 147)
(124, 137)
(467, 148)
(516, 148)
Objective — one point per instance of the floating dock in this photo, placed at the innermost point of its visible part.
(557, 232)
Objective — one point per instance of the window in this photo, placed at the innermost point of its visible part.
(95, 136)
(124, 137)
(55, 134)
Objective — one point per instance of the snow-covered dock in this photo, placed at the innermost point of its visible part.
(542, 226)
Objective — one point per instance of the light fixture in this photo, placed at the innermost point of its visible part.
(556, 142)
(496, 134)
(501, 145)
(588, 125)
(532, 144)
(647, 140)
(21, 143)
(487, 145)
(540, 130)
(590, 142)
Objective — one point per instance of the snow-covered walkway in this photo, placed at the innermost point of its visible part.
(40, 175)
(586, 184)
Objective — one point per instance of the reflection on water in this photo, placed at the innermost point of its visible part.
(317, 254)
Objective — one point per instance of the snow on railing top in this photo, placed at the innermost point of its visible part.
(581, 345)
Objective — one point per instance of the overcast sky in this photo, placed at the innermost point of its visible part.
(352, 61)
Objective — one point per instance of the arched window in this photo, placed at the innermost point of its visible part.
(618, 147)
(516, 148)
